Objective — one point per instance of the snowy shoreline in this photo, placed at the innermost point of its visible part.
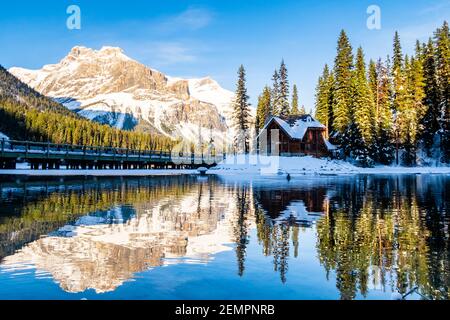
(301, 166)
(247, 166)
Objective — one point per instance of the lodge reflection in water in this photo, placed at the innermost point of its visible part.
(372, 232)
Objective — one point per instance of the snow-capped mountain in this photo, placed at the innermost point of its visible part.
(108, 87)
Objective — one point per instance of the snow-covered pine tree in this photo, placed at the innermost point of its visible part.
(357, 139)
(295, 110)
(409, 152)
(373, 84)
(413, 108)
(241, 114)
(355, 146)
(400, 99)
(362, 100)
(442, 39)
(416, 85)
(430, 122)
(382, 148)
(324, 98)
(343, 69)
(275, 94)
(284, 90)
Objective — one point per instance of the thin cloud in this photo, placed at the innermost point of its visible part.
(191, 19)
(162, 53)
(173, 53)
(437, 8)
(420, 32)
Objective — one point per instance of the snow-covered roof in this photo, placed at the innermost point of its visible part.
(3, 136)
(296, 127)
(297, 212)
(330, 146)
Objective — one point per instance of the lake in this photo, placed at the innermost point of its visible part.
(189, 237)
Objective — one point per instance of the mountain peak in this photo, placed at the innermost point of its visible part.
(81, 52)
(108, 49)
(105, 85)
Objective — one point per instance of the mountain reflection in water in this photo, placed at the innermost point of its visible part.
(371, 233)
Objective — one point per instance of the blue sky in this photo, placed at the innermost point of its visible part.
(199, 38)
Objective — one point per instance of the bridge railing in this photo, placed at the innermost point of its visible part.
(45, 148)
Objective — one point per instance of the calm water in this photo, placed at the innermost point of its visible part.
(359, 237)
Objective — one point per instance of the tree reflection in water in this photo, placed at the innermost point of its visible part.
(388, 233)
(280, 214)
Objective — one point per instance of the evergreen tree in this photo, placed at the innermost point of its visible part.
(295, 110)
(362, 100)
(302, 111)
(342, 86)
(355, 146)
(442, 39)
(324, 98)
(373, 82)
(400, 99)
(263, 111)
(416, 84)
(275, 95)
(382, 148)
(430, 123)
(409, 154)
(398, 55)
(284, 91)
(241, 114)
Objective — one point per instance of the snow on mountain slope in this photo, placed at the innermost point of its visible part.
(208, 90)
(108, 87)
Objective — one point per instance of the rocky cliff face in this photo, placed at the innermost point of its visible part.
(108, 87)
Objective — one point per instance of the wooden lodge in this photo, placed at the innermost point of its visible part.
(298, 136)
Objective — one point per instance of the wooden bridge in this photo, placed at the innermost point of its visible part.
(47, 156)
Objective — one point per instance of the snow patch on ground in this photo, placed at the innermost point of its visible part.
(265, 165)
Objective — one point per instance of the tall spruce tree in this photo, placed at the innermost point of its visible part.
(343, 69)
(263, 111)
(442, 40)
(241, 114)
(373, 82)
(284, 90)
(397, 58)
(362, 100)
(275, 94)
(295, 110)
(382, 148)
(324, 98)
(400, 101)
(415, 108)
(430, 122)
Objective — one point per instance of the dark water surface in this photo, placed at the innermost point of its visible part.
(351, 237)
